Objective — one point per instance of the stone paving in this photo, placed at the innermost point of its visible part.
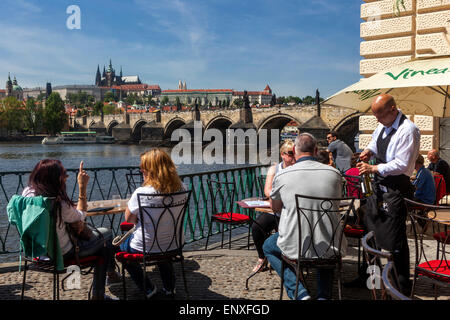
(216, 274)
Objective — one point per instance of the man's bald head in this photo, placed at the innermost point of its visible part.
(433, 155)
(385, 109)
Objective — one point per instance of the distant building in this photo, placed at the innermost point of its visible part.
(13, 89)
(215, 96)
(109, 77)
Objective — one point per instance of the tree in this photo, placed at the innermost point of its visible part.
(98, 108)
(238, 103)
(34, 114)
(309, 100)
(109, 109)
(178, 103)
(164, 100)
(11, 114)
(55, 117)
(109, 96)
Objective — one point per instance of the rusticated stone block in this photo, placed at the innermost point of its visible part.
(367, 123)
(369, 67)
(432, 5)
(424, 123)
(364, 140)
(382, 9)
(386, 28)
(435, 43)
(426, 142)
(435, 21)
(386, 47)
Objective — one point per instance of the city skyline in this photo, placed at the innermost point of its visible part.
(294, 46)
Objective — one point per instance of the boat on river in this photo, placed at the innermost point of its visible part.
(78, 137)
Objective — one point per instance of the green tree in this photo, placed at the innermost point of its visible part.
(98, 108)
(109, 109)
(11, 114)
(33, 115)
(309, 100)
(109, 96)
(55, 117)
(238, 103)
(164, 100)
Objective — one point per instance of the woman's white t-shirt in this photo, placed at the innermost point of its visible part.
(69, 214)
(152, 218)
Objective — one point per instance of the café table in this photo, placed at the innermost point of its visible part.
(257, 205)
(107, 208)
(441, 216)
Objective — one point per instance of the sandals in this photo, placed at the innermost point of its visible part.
(260, 266)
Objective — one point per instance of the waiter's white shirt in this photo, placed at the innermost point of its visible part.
(403, 149)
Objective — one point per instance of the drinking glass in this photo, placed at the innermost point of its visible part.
(117, 200)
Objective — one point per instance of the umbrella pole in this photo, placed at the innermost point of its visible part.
(445, 102)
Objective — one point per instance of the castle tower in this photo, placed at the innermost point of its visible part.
(184, 86)
(98, 78)
(180, 85)
(9, 86)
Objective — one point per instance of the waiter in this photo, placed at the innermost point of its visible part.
(395, 147)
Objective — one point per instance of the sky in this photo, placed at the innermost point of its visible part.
(295, 46)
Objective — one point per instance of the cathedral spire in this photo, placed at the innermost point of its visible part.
(121, 72)
(98, 78)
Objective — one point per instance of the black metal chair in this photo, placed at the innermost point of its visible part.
(426, 225)
(354, 229)
(49, 265)
(373, 256)
(222, 196)
(158, 210)
(390, 282)
(327, 215)
(134, 180)
(261, 184)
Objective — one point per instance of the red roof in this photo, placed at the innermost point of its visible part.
(197, 90)
(136, 87)
(251, 93)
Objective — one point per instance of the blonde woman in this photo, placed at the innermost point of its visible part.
(267, 222)
(160, 177)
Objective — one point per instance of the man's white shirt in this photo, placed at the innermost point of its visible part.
(402, 150)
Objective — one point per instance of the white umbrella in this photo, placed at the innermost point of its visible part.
(419, 86)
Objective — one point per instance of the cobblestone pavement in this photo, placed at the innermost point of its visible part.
(215, 274)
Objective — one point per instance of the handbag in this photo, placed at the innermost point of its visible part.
(80, 230)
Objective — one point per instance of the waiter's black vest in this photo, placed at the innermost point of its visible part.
(400, 182)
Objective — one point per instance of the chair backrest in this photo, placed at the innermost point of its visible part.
(373, 256)
(391, 283)
(222, 196)
(321, 224)
(352, 186)
(428, 223)
(439, 184)
(133, 181)
(161, 218)
(261, 184)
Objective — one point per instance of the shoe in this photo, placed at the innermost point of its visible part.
(152, 292)
(169, 293)
(356, 283)
(105, 297)
(307, 297)
(260, 266)
(113, 279)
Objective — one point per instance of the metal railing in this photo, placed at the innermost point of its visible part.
(109, 181)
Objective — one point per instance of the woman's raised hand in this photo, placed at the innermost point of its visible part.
(83, 177)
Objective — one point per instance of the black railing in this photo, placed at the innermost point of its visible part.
(109, 181)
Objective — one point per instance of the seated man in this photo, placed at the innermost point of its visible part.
(424, 183)
(439, 166)
(306, 177)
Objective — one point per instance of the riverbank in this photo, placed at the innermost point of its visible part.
(23, 138)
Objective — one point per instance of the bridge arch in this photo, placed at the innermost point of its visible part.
(110, 127)
(91, 123)
(172, 125)
(136, 132)
(277, 121)
(348, 129)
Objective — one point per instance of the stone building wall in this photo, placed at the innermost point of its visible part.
(420, 29)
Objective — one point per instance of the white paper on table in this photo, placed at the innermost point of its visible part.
(257, 203)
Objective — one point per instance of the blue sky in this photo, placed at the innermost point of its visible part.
(295, 46)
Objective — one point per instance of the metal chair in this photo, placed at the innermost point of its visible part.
(327, 215)
(133, 181)
(158, 210)
(222, 196)
(373, 256)
(261, 184)
(390, 282)
(354, 229)
(426, 224)
(50, 265)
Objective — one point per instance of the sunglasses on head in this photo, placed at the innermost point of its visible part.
(289, 153)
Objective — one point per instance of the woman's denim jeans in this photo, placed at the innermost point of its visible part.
(135, 270)
(99, 245)
(324, 278)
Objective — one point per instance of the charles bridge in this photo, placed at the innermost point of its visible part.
(157, 127)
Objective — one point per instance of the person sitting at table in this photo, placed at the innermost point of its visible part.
(353, 187)
(48, 179)
(424, 183)
(325, 157)
(265, 223)
(311, 178)
(160, 176)
(440, 166)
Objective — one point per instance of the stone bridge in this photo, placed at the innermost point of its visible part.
(153, 128)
